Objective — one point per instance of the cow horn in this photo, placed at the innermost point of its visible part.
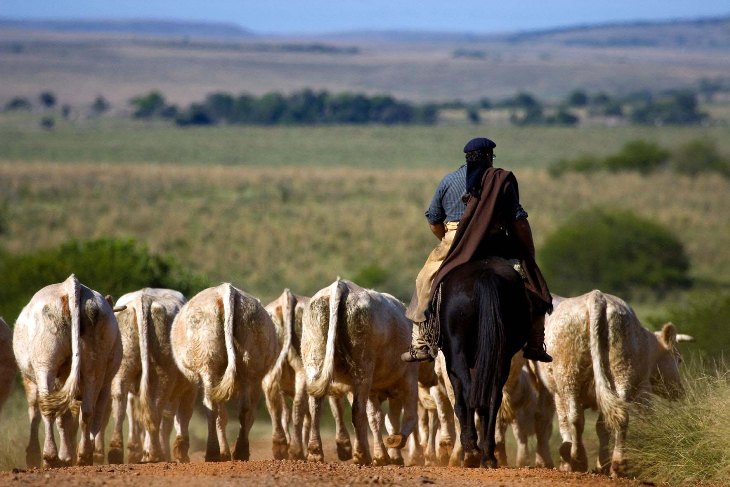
(681, 337)
(120, 308)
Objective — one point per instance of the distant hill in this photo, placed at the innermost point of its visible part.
(158, 28)
(699, 33)
(695, 33)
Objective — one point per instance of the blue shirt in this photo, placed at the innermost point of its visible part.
(447, 205)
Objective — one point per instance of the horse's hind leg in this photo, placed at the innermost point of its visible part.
(461, 381)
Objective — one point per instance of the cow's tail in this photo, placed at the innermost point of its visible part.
(318, 386)
(143, 326)
(58, 402)
(609, 404)
(488, 369)
(227, 386)
(289, 322)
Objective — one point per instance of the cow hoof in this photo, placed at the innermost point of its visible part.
(381, 461)
(115, 456)
(51, 462)
(395, 441)
(85, 459)
(472, 459)
(296, 454)
(398, 461)
(361, 458)
(134, 454)
(180, 449)
(344, 450)
(98, 458)
(416, 461)
(279, 449)
(617, 469)
(315, 456)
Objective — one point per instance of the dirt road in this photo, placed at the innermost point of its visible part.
(263, 472)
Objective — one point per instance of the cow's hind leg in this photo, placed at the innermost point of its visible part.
(275, 406)
(603, 461)
(184, 412)
(314, 446)
(342, 437)
(375, 419)
(249, 398)
(33, 450)
(360, 394)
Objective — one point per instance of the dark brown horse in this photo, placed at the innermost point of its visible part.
(485, 318)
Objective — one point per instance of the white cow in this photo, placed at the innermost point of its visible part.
(287, 378)
(66, 336)
(224, 339)
(351, 342)
(604, 358)
(8, 368)
(148, 370)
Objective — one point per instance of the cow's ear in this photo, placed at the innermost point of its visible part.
(669, 334)
(110, 300)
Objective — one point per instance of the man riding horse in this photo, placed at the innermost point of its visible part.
(475, 213)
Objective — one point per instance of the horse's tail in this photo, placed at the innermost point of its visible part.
(227, 386)
(488, 369)
(610, 405)
(320, 384)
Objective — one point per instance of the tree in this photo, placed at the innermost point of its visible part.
(578, 98)
(615, 251)
(47, 99)
(149, 105)
(100, 105)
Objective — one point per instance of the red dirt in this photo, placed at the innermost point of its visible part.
(264, 473)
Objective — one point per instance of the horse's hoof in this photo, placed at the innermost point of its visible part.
(488, 462)
(472, 459)
(395, 441)
(115, 456)
(213, 456)
(564, 451)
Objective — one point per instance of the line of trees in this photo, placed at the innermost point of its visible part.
(309, 107)
(302, 107)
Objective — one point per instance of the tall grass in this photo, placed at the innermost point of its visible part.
(685, 441)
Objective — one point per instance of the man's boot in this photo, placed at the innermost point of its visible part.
(420, 350)
(535, 347)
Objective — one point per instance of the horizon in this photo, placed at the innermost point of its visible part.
(286, 17)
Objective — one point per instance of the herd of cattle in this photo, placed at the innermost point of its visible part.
(84, 359)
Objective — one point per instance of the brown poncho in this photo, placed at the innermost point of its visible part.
(477, 222)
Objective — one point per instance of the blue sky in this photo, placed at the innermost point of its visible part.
(322, 16)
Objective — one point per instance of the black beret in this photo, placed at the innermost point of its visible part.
(480, 143)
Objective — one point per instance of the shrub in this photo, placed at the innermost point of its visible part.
(615, 251)
(109, 266)
(638, 155)
(18, 103)
(699, 156)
